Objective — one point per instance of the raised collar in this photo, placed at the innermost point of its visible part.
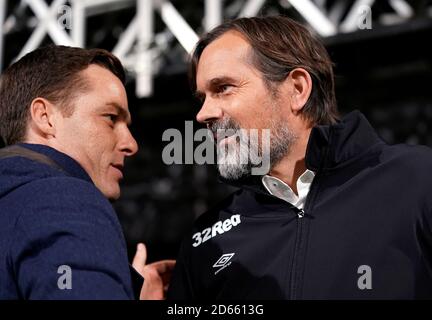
(69, 165)
(329, 146)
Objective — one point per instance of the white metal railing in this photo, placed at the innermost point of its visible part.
(139, 46)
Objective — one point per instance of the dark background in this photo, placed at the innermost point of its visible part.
(386, 72)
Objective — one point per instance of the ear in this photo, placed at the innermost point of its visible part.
(43, 115)
(300, 83)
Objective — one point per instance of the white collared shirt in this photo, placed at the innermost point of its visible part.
(280, 189)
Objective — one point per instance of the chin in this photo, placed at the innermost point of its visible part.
(233, 171)
(113, 197)
(112, 193)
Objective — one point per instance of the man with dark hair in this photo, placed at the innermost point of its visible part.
(339, 214)
(64, 118)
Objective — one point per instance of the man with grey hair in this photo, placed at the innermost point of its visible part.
(339, 215)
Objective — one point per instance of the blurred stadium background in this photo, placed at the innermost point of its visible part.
(383, 63)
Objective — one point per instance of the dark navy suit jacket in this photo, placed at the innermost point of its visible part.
(59, 236)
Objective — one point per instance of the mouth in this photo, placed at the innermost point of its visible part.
(222, 135)
(119, 168)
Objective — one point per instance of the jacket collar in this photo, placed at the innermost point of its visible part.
(69, 165)
(334, 145)
(329, 146)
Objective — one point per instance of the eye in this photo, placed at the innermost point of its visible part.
(223, 88)
(111, 116)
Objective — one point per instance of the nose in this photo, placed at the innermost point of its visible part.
(209, 112)
(128, 144)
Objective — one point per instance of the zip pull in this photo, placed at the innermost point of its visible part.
(300, 213)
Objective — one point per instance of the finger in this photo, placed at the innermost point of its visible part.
(140, 258)
(163, 265)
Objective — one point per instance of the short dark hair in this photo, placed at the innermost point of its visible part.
(50, 72)
(279, 45)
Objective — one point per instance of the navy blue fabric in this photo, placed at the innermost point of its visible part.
(50, 218)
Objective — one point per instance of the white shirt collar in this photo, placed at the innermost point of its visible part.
(281, 190)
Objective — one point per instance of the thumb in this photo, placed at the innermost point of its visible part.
(140, 258)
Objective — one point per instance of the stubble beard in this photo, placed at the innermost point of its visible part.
(235, 161)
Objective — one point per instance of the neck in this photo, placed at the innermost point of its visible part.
(292, 166)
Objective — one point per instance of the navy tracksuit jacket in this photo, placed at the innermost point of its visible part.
(59, 236)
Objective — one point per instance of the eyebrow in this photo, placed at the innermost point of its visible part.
(214, 82)
(121, 111)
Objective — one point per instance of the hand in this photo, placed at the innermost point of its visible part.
(156, 275)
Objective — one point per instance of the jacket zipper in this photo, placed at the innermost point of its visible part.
(296, 282)
(300, 213)
(298, 242)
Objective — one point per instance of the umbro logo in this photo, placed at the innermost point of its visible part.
(223, 262)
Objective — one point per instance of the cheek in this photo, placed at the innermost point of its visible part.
(79, 132)
(101, 156)
(95, 150)
(253, 113)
